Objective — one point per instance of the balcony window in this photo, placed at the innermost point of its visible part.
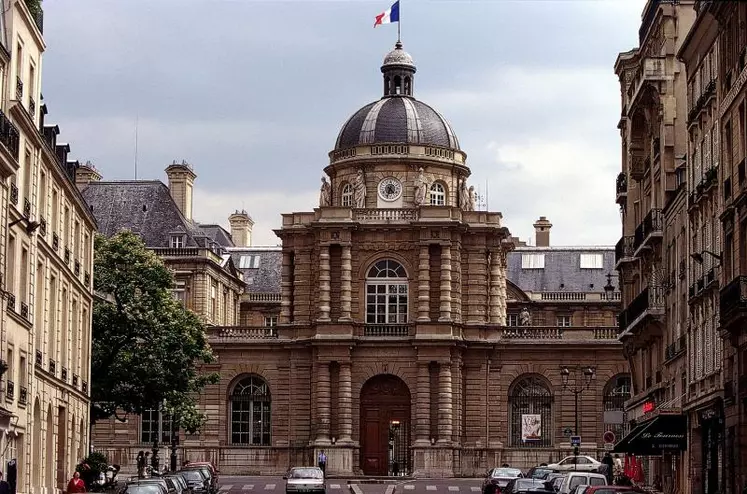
(386, 293)
(564, 321)
(271, 321)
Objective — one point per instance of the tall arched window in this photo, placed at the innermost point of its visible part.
(250, 412)
(438, 194)
(386, 293)
(346, 198)
(616, 393)
(530, 409)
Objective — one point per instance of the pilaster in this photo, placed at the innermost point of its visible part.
(423, 404)
(346, 283)
(445, 404)
(445, 284)
(324, 283)
(494, 302)
(345, 403)
(323, 404)
(424, 285)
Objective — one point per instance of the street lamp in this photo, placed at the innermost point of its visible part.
(586, 373)
(698, 256)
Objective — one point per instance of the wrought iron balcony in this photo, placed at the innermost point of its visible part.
(42, 226)
(26, 207)
(84, 387)
(23, 395)
(39, 358)
(67, 255)
(52, 367)
(733, 303)
(86, 278)
(10, 390)
(624, 250)
(14, 194)
(24, 310)
(32, 108)
(649, 229)
(648, 304)
(76, 269)
(55, 241)
(63, 374)
(75, 380)
(19, 89)
(11, 302)
(9, 135)
(622, 187)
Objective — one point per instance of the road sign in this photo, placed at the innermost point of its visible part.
(575, 440)
(567, 432)
(609, 446)
(609, 437)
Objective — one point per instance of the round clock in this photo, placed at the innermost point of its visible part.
(390, 189)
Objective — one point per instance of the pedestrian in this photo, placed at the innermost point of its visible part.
(505, 465)
(140, 464)
(4, 486)
(76, 484)
(322, 461)
(607, 460)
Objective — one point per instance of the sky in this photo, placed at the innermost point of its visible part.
(253, 94)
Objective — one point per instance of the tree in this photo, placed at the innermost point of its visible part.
(146, 345)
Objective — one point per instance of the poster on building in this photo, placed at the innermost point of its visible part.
(531, 427)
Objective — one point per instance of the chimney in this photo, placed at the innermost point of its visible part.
(241, 228)
(85, 174)
(181, 183)
(542, 232)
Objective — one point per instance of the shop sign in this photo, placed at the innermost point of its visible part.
(649, 407)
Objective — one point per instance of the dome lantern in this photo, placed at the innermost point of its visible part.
(399, 72)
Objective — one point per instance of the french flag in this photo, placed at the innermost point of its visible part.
(388, 16)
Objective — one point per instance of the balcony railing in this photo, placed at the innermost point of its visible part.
(624, 250)
(84, 387)
(10, 390)
(23, 395)
(386, 330)
(67, 255)
(55, 241)
(573, 333)
(385, 215)
(621, 186)
(32, 108)
(14, 194)
(9, 135)
(52, 367)
(19, 89)
(63, 374)
(75, 380)
(650, 227)
(42, 226)
(263, 297)
(733, 302)
(11, 302)
(26, 207)
(24, 310)
(76, 269)
(39, 358)
(242, 332)
(650, 302)
(86, 278)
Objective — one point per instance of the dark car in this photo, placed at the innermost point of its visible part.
(498, 478)
(167, 483)
(522, 486)
(539, 473)
(208, 473)
(612, 489)
(181, 483)
(137, 487)
(196, 480)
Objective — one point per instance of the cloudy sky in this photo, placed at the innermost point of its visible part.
(253, 95)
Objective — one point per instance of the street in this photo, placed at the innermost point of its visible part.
(276, 485)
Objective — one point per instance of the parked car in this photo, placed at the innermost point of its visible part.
(574, 479)
(208, 472)
(539, 472)
(498, 478)
(304, 479)
(137, 487)
(168, 483)
(196, 480)
(213, 468)
(612, 489)
(526, 486)
(181, 484)
(577, 463)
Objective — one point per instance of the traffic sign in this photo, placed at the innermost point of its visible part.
(609, 437)
(609, 446)
(575, 440)
(567, 432)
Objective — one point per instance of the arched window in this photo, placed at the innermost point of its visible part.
(408, 87)
(386, 85)
(250, 412)
(397, 84)
(616, 393)
(346, 196)
(386, 293)
(438, 194)
(530, 409)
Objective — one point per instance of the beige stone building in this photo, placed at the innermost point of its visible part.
(397, 324)
(652, 254)
(46, 245)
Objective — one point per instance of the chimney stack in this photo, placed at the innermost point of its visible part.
(241, 228)
(85, 174)
(181, 183)
(542, 232)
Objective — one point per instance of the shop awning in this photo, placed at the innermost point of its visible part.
(662, 434)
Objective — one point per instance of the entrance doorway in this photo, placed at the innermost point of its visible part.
(385, 426)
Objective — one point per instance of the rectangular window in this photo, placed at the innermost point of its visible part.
(591, 261)
(532, 261)
(177, 241)
(180, 291)
(512, 319)
(52, 342)
(76, 241)
(10, 265)
(213, 302)
(63, 328)
(564, 321)
(38, 306)
(23, 294)
(271, 321)
(55, 211)
(66, 227)
(11, 372)
(225, 308)
(85, 350)
(43, 195)
(22, 372)
(249, 262)
(153, 422)
(87, 253)
(27, 174)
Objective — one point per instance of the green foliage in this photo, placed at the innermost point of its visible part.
(34, 7)
(91, 467)
(146, 345)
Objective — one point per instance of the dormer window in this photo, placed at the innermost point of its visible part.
(177, 241)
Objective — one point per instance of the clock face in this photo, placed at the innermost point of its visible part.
(390, 189)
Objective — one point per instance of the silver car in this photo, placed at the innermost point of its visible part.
(304, 479)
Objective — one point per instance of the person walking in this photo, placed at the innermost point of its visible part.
(141, 464)
(4, 486)
(76, 484)
(609, 473)
(322, 461)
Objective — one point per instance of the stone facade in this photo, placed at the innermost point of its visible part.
(46, 244)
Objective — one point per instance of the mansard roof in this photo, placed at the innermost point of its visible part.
(266, 276)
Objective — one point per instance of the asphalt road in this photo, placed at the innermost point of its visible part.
(276, 485)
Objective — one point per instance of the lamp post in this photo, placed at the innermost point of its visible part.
(174, 441)
(586, 373)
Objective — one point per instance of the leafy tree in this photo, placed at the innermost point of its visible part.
(146, 345)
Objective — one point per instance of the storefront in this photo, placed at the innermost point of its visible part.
(660, 438)
(707, 440)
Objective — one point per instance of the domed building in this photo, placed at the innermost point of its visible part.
(392, 340)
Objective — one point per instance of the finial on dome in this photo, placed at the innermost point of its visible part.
(399, 72)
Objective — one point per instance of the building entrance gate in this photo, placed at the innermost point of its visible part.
(385, 426)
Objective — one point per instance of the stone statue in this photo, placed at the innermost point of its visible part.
(525, 318)
(325, 194)
(359, 190)
(421, 188)
(471, 206)
(464, 195)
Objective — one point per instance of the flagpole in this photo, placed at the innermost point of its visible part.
(399, 22)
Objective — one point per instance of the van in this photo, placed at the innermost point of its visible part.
(573, 479)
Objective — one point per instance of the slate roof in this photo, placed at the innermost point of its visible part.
(146, 208)
(266, 277)
(562, 271)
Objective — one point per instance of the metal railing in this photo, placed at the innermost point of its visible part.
(14, 194)
(10, 390)
(621, 184)
(733, 299)
(652, 298)
(19, 89)
(652, 224)
(624, 249)
(23, 395)
(9, 135)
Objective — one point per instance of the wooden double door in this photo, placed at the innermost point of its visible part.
(385, 426)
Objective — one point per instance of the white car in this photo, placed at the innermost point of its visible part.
(305, 479)
(579, 463)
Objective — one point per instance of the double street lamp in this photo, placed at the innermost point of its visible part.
(582, 376)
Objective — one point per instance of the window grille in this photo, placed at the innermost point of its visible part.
(530, 396)
(250, 404)
(616, 393)
(386, 293)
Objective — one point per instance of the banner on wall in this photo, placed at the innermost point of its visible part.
(531, 427)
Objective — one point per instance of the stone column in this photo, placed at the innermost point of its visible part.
(324, 283)
(424, 284)
(345, 393)
(445, 284)
(286, 289)
(501, 261)
(445, 403)
(323, 403)
(346, 289)
(495, 295)
(423, 403)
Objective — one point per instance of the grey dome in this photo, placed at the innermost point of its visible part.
(398, 56)
(397, 119)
